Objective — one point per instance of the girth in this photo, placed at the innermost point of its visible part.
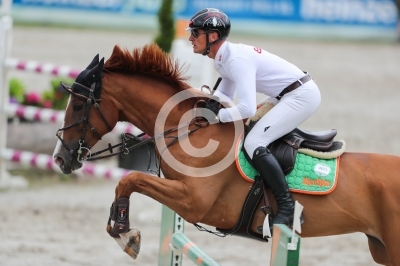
(243, 225)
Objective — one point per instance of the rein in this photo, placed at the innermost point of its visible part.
(127, 136)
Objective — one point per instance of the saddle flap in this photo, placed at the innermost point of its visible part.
(284, 153)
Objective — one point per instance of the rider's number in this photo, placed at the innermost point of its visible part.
(258, 50)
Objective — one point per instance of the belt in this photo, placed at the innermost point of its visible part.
(294, 85)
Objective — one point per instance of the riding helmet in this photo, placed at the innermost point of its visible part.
(211, 19)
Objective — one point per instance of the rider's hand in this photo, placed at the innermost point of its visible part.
(214, 105)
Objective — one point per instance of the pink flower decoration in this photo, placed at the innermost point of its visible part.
(32, 97)
(47, 104)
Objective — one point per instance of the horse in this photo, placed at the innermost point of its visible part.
(202, 184)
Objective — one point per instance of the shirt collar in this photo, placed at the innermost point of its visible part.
(220, 56)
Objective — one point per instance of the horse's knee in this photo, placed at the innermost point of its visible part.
(194, 211)
(192, 218)
(126, 185)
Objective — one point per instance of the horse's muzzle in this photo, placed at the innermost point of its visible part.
(65, 167)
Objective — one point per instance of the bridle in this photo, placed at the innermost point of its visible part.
(125, 137)
(90, 99)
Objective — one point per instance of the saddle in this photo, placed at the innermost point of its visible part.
(285, 149)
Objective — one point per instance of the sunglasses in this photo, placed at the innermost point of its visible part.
(195, 33)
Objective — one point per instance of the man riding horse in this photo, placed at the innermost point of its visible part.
(361, 196)
(246, 70)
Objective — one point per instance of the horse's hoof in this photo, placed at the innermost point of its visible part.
(130, 242)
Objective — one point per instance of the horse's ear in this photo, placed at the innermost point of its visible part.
(101, 63)
(94, 62)
(94, 73)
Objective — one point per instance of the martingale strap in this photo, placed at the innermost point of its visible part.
(242, 227)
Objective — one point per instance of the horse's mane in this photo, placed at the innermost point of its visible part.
(149, 60)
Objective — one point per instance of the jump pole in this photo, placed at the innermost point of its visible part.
(6, 180)
(5, 7)
(171, 223)
(33, 113)
(285, 249)
(46, 162)
(182, 243)
(174, 243)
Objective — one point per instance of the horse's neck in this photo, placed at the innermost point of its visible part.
(141, 100)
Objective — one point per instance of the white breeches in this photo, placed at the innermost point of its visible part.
(289, 112)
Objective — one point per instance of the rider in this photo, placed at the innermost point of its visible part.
(246, 70)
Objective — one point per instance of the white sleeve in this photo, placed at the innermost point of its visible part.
(226, 90)
(243, 74)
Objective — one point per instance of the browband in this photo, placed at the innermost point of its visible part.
(69, 90)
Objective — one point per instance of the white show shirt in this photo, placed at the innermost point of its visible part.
(246, 70)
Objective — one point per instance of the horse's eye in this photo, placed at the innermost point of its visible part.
(78, 107)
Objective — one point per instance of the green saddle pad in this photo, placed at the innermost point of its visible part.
(310, 175)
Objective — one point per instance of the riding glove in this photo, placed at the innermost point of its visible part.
(214, 105)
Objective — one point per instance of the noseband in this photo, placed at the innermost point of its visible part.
(90, 100)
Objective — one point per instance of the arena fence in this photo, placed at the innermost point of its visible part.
(33, 113)
(44, 161)
(5, 49)
(8, 110)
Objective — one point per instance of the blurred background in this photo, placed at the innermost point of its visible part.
(350, 47)
(303, 18)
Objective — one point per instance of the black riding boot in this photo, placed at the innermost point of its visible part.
(273, 176)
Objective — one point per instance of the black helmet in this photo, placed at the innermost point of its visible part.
(211, 19)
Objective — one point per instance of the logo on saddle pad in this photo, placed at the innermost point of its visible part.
(322, 169)
(311, 175)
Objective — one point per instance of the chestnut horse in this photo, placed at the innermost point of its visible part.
(202, 183)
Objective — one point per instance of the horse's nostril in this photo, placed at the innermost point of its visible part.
(58, 161)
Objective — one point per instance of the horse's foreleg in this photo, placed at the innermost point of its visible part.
(390, 238)
(169, 192)
(118, 227)
(378, 250)
(384, 189)
(176, 194)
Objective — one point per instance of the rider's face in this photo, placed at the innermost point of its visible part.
(198, 40)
